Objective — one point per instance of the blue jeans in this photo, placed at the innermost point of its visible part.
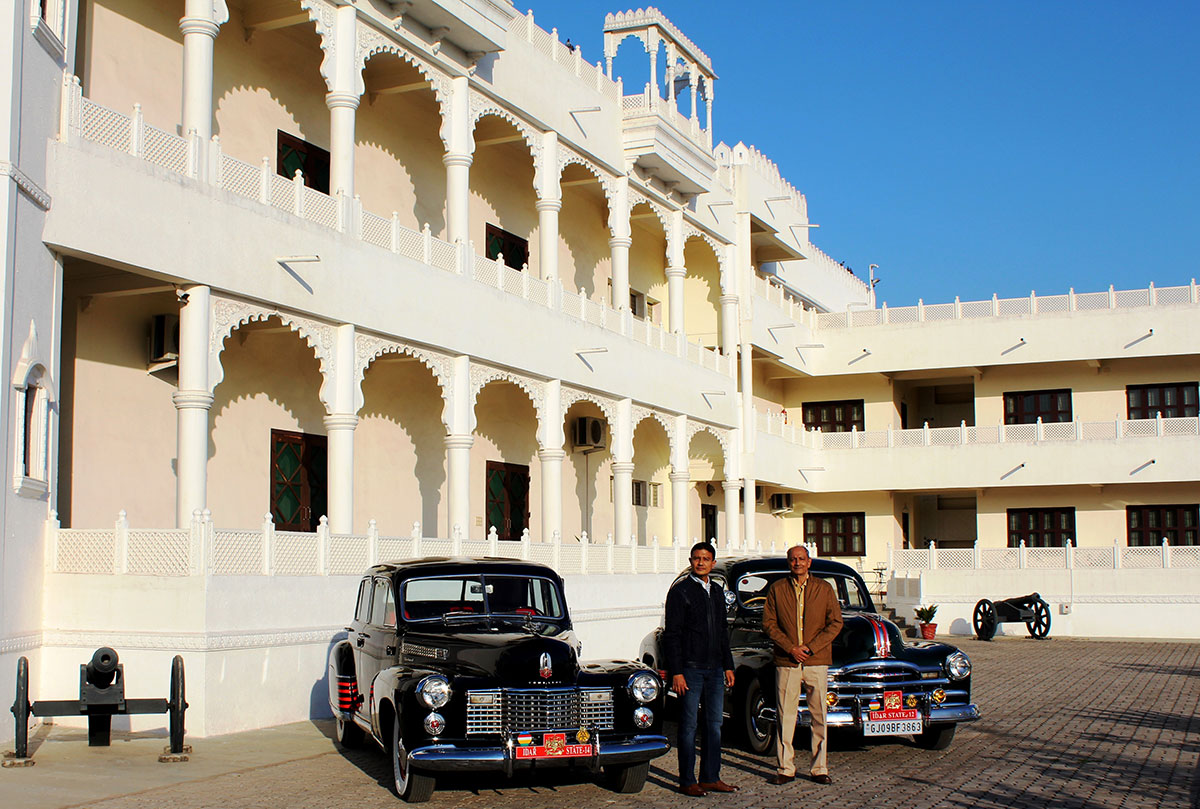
(705, 687)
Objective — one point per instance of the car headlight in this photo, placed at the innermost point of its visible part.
(434, 691)
(644, 687)
(958, 666)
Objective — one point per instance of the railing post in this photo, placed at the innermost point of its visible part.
(1040, 431)
(1112, 297)
(891, 557)
(920, 311)
(372, 542)
(121, 545)
(323, 546)
(1194, 292)
(1032, 302)
(51, 545)
(556, 551)
(493, 542)
(1117, 554)
(654, 554)
(426, 240)
(1158, 423)
(195, 544)
(298, 193)
(925, 434)
(611, 545)
(957, 308)
(69, 109)
(976, 555)
(210, 543)
(416, 540)
(995, 305)
(1021, 555)
(933, 560)
(264, 182)
(456, 541)
(962, 432)
(268, 551)
(1153, 295)
(853, 436)
(194, 159)
(137, 131)
(583, 553)
(1166, 554)
(216, 163)
(890, 438)
(1078, 430)
(883, 313)
(1069, 552)
(526, 542)
(1071, 299)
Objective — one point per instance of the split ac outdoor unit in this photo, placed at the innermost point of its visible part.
(588, 433)
(164, 339)
(781, 503)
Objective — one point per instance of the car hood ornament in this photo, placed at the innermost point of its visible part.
(546, 670)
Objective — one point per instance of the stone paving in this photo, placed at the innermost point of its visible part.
(1066, 723)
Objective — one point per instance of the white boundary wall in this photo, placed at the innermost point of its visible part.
(1084, 602)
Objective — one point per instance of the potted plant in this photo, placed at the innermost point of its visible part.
(925, 616)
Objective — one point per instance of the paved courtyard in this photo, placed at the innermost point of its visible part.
(1066, 723)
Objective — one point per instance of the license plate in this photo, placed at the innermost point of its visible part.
(893, 723)
(553, 745)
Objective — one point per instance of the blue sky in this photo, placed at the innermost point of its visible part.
(965, 147)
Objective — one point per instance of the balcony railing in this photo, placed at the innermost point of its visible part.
(84, 118)
(1110, 557)
(547, 43)
(777, 424)
(201, 550)
(647, 103)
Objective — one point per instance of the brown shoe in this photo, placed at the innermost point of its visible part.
(719, 786)
(822, 779)
(779, 779)
(693, 791)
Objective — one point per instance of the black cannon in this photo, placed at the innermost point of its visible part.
(1032, 610)
(101, 696)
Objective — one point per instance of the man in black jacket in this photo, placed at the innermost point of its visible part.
(698, 661)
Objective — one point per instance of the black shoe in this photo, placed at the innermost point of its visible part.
(822, 779)
(779, 779)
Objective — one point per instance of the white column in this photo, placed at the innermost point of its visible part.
(675, 272)
(749, 509)
(201, 21)
(548, 236)
(551, 455)
(694, 75)
(339, 432)
(342, 106)
(622, 469)
(680, 478)
(732, 512)
(193, 399)
(619, 244)
(708, 101)
(459, 149)
(459, 419)
(729, 324)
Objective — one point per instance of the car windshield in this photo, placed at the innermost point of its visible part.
(480, 596)
(752, 589)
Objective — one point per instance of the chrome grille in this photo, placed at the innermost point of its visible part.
(494, 710)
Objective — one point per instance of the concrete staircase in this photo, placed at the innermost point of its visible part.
(907, 630)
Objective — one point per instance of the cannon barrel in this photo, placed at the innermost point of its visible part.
(103, 667)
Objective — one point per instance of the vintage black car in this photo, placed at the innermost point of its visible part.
(464, 665)
(878, 684)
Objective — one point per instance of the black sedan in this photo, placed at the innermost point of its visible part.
(879, 685)
(467, 665)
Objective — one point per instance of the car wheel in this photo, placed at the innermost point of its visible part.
(410, 785)
(349, 735)
(935, 737)
(627, 778)
(757, 733)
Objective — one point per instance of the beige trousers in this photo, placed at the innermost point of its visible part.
(789, 682)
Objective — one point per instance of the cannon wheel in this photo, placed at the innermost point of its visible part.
(20, 709)
(984, 619)
(1039, 625)
(177, 706)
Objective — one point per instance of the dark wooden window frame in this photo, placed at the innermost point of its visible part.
(1027, 406)
(510, 530)
(307, 483)
(314, 161)
(498, 241)
(824, 415)
(1179, 523)
(1187, 396)
(1041, 527)
(835, 541)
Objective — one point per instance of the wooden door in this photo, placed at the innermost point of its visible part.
(298, 472)
(507, 506)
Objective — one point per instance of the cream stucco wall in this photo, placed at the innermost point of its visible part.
(271, 382)
(506, 429)
(1097, 393)
(879, 409)
(502, 189)
(652, 463)
(701, 294)
(584, 256)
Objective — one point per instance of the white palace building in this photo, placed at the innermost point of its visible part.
(291, 286)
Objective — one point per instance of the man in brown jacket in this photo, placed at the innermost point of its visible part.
(801, 617)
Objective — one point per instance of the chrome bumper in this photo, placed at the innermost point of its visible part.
(476, 757)
(850, 717)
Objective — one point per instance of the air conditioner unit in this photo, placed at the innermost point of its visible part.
(781, 503)
(588, 433)
(760, 494)
(164, 339)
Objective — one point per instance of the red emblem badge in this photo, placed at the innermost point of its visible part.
(546, 670)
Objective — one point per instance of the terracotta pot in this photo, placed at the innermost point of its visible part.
(928, 631)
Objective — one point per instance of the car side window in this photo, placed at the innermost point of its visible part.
(383, 605)
(362, 611)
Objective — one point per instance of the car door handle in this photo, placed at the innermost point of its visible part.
(361, 640)
(389, 650)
